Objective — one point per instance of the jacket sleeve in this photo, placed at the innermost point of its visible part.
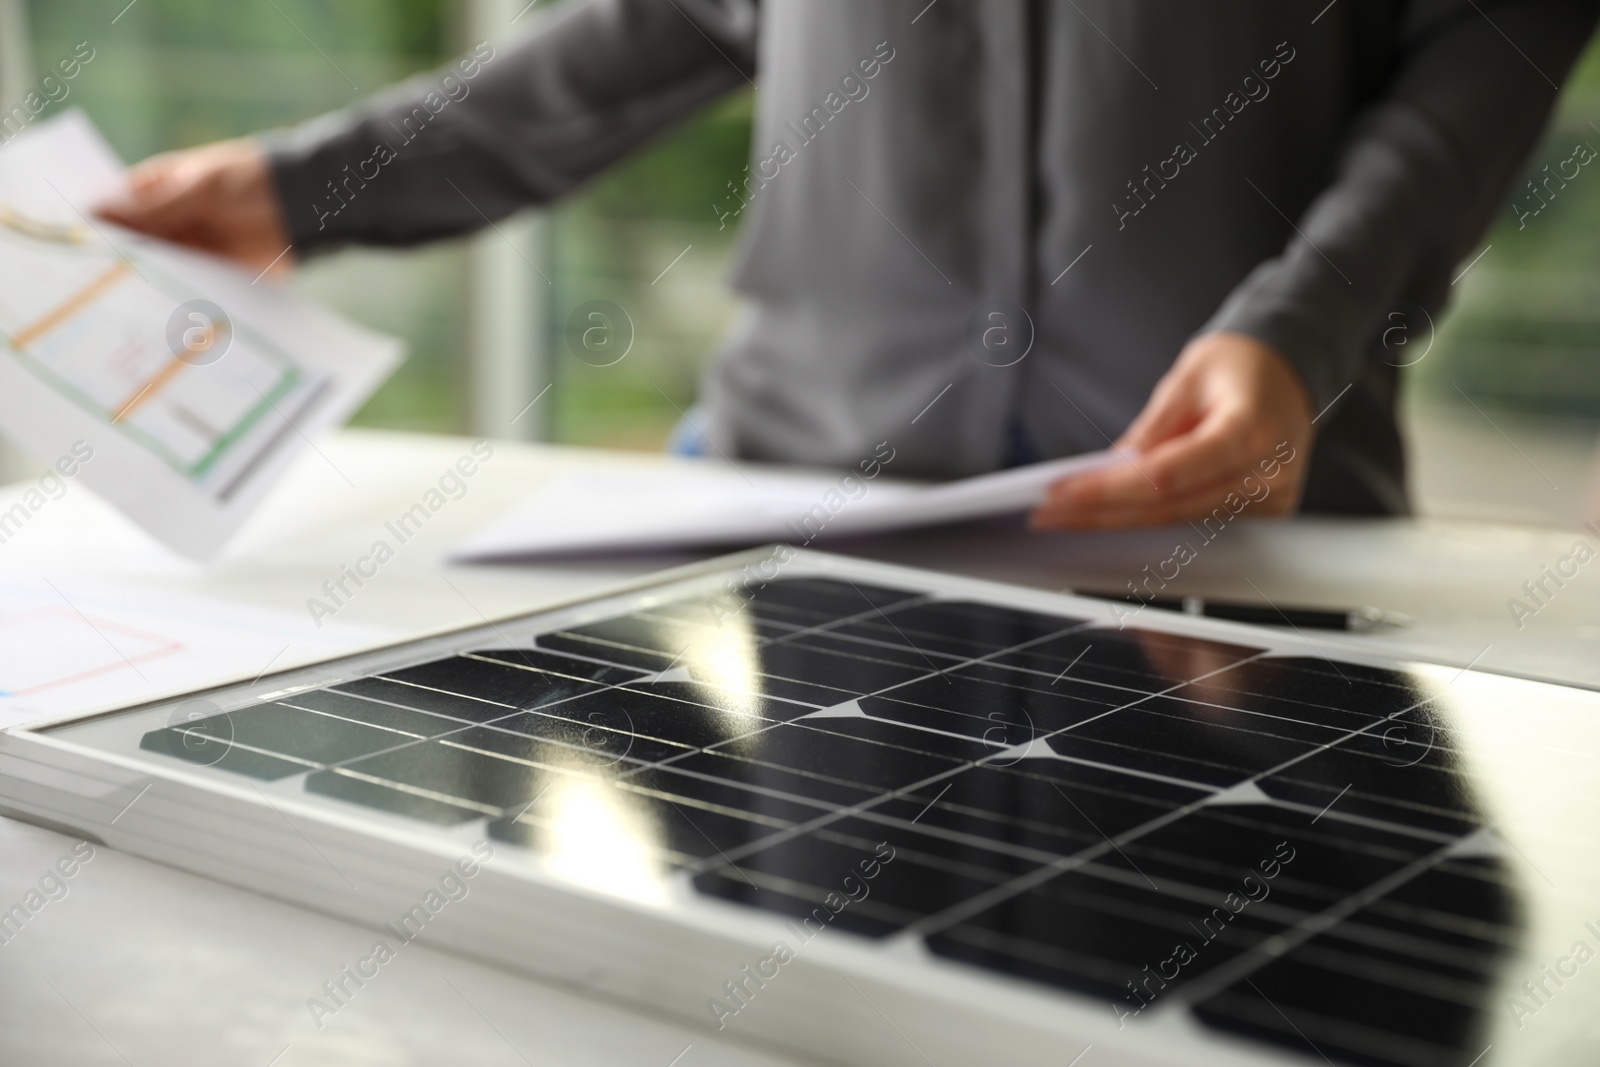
(511, 123)
(1427, 167)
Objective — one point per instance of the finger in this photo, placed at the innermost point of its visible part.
(1274, 495)
(1138, 481)
(1123, 485)
(1209, 502)
(122, 208)
(1173, 409)
(135, 209)
(1133, 510)
(165, 199)
(162, 207)
(1226, 440)
(1123, 495)
(143, 188)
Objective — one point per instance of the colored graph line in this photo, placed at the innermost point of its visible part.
(165, 646)
(172, 369)
(72, 305)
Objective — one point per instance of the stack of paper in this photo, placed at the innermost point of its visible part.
(704, 503)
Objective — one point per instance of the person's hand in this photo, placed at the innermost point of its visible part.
(1228, 426)
(218, 198)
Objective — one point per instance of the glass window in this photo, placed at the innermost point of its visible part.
(1504, 408)
(646, 237)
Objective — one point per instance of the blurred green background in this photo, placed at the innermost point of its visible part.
(1523, 337)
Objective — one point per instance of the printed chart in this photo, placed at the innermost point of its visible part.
(121, 341)
(192, 387)
(52, 648)
(72, 644)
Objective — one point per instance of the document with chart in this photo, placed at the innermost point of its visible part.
(189, 384)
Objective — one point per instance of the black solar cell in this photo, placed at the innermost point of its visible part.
(1154, 820)
(495, 682)
(1134, 659)
(1416, 995)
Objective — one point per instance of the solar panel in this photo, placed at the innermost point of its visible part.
(1004, 823)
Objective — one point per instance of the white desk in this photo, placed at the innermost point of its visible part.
(145, 965)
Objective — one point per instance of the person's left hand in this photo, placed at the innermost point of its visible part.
(1230, 409)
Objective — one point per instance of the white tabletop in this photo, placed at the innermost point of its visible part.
(140, 964)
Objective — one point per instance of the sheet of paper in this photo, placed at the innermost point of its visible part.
(1004, 492)
(173, 384)
(70, 644)
(707, 503)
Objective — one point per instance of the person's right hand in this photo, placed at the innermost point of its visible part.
(218, 198)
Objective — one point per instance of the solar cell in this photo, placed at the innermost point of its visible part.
(1285, 848)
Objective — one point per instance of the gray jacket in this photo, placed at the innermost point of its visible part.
(934, 186)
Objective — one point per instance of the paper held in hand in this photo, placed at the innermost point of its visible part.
(706, 503)
(173, 384)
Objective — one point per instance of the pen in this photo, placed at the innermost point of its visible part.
(1356, 619)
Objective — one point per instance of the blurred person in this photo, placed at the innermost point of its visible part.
(1194, 221)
